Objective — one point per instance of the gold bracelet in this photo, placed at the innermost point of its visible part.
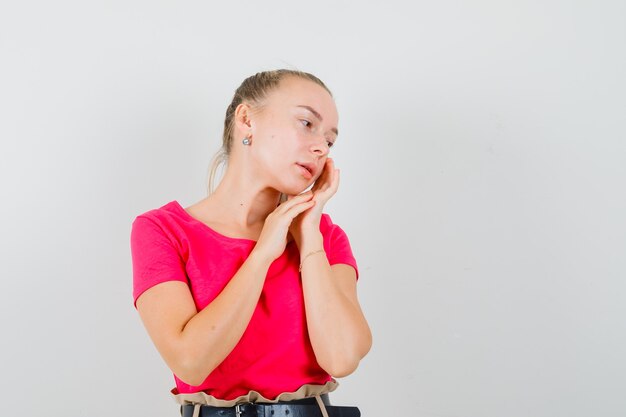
(307, 255)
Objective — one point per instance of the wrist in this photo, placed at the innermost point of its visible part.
(259, 258)
(312, 253)
(311, 241)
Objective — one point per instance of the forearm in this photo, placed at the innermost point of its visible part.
(213, 333)
(338, 331)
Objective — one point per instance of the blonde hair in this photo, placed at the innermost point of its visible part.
(253, 90)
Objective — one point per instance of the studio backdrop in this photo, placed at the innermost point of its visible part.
(482, 151)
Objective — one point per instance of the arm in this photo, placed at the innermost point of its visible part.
(194, 343)
(338, 330)
(339, 333)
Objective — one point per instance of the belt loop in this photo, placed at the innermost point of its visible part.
(322, 406)
(196, 410)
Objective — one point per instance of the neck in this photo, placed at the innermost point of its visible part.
(242, 199)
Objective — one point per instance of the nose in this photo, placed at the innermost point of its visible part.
(319, 146)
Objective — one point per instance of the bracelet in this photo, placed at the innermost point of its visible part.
(307, 255)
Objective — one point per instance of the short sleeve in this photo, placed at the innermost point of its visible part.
(337, 245)
(155, 258)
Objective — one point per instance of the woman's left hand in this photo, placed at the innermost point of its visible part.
(324, 188)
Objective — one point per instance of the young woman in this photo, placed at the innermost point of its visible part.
(249, 295)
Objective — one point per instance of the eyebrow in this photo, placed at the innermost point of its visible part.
(319, 116)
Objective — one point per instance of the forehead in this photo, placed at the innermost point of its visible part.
(294, 91)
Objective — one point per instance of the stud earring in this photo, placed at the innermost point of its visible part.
(246, 141)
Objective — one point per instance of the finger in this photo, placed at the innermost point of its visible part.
(322, 181)
(294, 211)
(321, 177)
(290, 196)
(286, 205)
(335, 183)
(330, 187)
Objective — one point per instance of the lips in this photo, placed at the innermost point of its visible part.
(308, 169)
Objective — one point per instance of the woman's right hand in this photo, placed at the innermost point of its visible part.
(273, 238)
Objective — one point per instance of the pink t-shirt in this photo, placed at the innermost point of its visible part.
(274, 354)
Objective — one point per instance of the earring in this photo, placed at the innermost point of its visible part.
(246, 141)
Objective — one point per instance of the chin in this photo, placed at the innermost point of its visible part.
(294, 189)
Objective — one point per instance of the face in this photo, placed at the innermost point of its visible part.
(293, 134)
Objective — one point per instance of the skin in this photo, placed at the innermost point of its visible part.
(245, 205)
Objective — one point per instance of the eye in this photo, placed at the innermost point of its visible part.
(330, 144)
(304, 122)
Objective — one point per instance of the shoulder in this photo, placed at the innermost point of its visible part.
(158, 248)
(337, 243)
(165, 222)
(333, 234)
(328, 226)
(165, 212)
(164, 216)
(326, 223)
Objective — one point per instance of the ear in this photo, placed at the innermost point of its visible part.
(242, 117)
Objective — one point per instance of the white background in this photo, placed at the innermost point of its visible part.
(483, 158)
